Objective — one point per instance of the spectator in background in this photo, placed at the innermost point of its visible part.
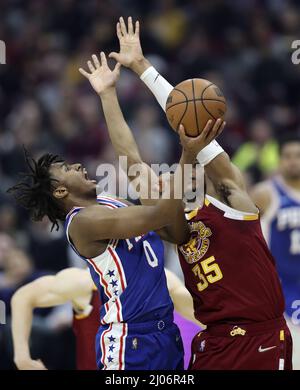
(244, 47)
(148, 131)
(17, 270)
(6, 244)
(260, 154)
(49, 250)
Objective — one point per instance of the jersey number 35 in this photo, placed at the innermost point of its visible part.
(207, 271)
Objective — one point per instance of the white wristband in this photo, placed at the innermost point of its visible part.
(158, 85)
(210, 152)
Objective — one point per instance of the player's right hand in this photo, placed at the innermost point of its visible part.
(193, 145)
(30, 364)
(130, 45)
(102, 78)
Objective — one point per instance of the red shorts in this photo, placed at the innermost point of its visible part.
(258, 346)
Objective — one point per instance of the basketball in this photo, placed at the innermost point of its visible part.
(193, 102)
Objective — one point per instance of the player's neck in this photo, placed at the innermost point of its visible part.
(80, 202)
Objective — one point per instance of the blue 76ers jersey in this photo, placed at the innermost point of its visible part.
(281, 225)
(129, 275)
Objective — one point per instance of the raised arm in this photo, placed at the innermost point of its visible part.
(140, 219)
(46, 291)
(131, 56)
(225, 176)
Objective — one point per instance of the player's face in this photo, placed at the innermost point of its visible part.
(290, 161)
(74, 178)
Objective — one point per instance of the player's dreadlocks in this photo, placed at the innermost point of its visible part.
(35, 191)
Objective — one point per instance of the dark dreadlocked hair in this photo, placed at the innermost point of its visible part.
(35, 191)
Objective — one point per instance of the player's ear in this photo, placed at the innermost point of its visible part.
(60, 192)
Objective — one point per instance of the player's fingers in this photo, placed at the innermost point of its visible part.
(84, 73)
(217, 125)
(137, 28)
(103, 59)
(96, 61)
(221, 129)
(207, 129)
(91, 66)
(130, 26)
(117, 68)
(114, 55)
(123, 26)
(213, 132)
(183, 137)
(119, 32)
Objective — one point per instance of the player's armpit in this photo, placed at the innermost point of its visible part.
(221, 170)
(229, 183)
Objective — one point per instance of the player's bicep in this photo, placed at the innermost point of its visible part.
(42, 293)
(221, 170)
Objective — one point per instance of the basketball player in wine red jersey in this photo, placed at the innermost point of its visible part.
(70, 285)
(227, 265)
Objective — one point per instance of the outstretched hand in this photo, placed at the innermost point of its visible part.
(130, 45)
(30, 364)
(193, 145)
(102, 78)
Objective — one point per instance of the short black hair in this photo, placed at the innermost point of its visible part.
(35, 190)
(288, 138)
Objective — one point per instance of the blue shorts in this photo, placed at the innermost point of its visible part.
(153, 345)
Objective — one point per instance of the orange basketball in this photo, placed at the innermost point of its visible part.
(193, 102)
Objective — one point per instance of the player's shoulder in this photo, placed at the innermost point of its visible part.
(85, 221)
(263, 186)
(261, 194)
(263, 189)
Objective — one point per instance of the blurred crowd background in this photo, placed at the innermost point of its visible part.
(46, 105)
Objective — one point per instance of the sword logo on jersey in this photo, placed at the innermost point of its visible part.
(198, 244)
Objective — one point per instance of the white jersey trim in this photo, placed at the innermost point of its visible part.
(230, 212)
(113, 346)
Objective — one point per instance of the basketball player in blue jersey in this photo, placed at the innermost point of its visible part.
(279, 202)
(121, 245)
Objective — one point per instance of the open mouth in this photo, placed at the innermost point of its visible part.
(84, 171)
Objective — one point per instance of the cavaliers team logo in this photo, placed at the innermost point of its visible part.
(199, 242)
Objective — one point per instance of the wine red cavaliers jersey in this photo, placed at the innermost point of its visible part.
(85, 327)
(228, 267)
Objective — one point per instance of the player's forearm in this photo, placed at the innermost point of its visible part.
(157, 84)
(140, 65)
(22, 314)
(161, 89)
(178, 229)
(120, 134)
(183, 304)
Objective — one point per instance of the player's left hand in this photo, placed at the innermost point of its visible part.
(130, 45)
(193, 145)
(102, 78)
